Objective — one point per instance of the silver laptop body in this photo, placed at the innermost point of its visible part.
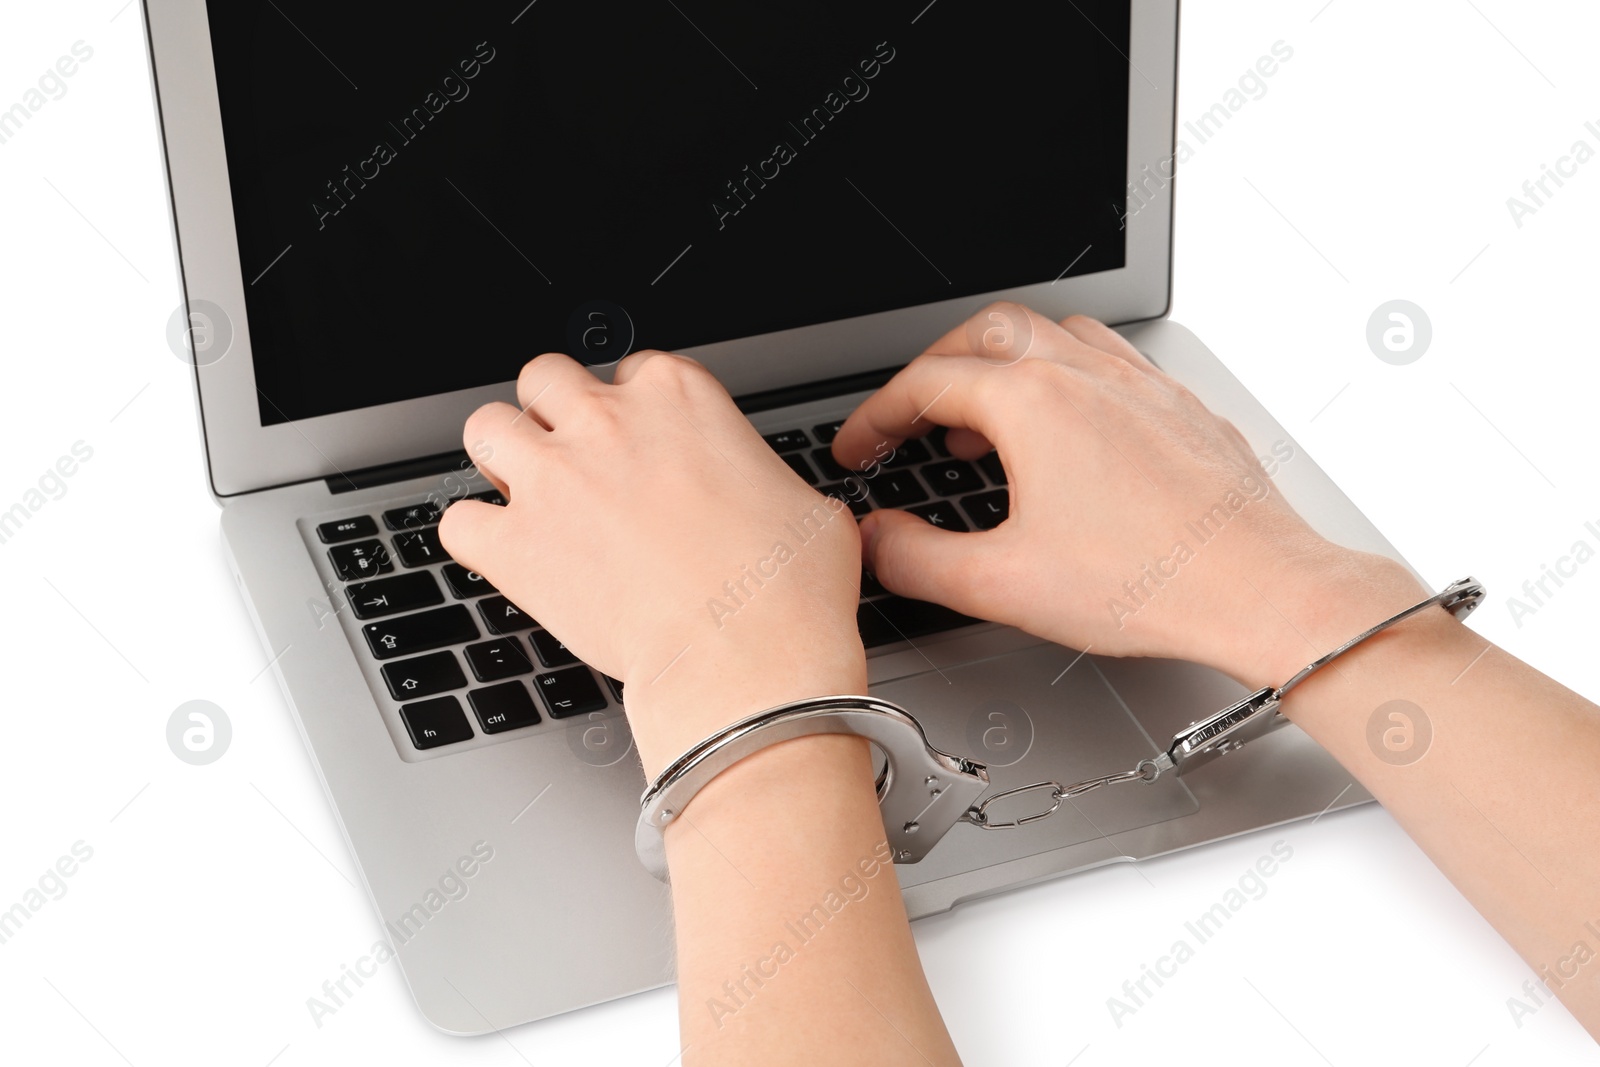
(501, 864)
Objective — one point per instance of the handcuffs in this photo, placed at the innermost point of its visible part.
(923, 792)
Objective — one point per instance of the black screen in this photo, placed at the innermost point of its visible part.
(428, 195)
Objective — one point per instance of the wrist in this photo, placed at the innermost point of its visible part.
(1316, 602)
(817, 787)
(706, 689)
(1401, 660)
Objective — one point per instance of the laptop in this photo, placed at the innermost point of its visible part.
(380, 218)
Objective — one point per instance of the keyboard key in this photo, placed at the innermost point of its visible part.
(940, 513)
(497, 659)
(436, 722)
(419, 548)
(799, 465)
(412, 517)
(419, 633)
(893, 619)
(823, 458)
(503, 707)
(363, 559)
(825, 432)
(332, 533)
(492, 496)
(552, 653)
(988, 510)
(909, 454)
(569, 692)
(852, 492)
(424, 676)
(896, 489)
(935, 441)
(953, 478)
(787, 440)
(991, 466)
(389, 596)
(501, 616)
(616, 687)
(465, 584)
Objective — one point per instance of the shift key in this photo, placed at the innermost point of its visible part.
(418, 633)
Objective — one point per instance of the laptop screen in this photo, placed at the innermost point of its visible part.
(428, 195)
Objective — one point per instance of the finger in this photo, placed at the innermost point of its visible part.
(917, 560)
(932, 390)
(494, 480)
(967, 444)
(500, 439)
(1097, 334)
(1001, 333)
(479, 470)
(629, 366)
(1006, 333)
(550, 384)
(469, 530)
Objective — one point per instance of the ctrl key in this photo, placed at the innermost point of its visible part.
(503, 707)
(436, 722)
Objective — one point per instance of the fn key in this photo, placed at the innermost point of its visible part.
(569, 692)
(436, 722)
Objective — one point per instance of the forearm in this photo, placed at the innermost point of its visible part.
(793, 940)
(793, 943)
(1471, 767)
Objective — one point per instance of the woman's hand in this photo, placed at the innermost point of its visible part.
(1140, 523)
(652, 530)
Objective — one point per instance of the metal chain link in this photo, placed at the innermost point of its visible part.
(1227, 730)
(978, 815)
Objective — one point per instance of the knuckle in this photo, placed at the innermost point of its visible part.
(664, 366)
(1037, 379)
(476, 428)
(540, 365)
(1184, 397)
(1122, 372)
(685, 381)
(934, 364)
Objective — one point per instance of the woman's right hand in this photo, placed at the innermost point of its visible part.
(1140, 523)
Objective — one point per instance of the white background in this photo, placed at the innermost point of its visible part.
(218, 898)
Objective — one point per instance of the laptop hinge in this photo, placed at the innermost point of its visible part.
(387, 473)
(790, 395)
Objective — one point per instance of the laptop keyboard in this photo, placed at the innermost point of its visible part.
(458, 658)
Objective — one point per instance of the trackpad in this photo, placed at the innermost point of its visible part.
(1034, 716)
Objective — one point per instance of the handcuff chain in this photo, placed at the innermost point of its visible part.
(1228, 730)
(1148, 770)
(924, 791)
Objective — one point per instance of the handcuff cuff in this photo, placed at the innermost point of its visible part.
(923, 792)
